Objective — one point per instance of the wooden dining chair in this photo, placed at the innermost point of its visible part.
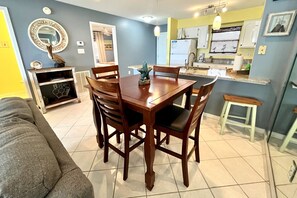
(180, 122)
(167, 71)
(106, 72)
(108, 98)
(103, 72)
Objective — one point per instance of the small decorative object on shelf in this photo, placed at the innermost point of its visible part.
(144, 74)
(59, 61)
(36, 64)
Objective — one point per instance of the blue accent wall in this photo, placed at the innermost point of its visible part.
(276, 64)
(135, 40)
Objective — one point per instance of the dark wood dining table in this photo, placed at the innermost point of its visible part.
(148, 99)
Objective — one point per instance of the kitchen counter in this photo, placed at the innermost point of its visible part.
(210, 73)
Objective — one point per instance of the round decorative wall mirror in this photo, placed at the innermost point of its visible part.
(43, 32)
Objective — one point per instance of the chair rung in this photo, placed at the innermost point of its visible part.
(118, 151)
(238, 117)
(238, 124)
(169, 152)
(136, 145)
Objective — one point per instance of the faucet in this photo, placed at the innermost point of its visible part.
(190, 63)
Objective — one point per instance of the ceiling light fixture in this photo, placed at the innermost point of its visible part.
(212, 9)
(217, 22)
(147, 19)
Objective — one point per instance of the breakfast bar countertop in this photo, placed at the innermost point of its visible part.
(210, 73)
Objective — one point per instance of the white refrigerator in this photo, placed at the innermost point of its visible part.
(180, 50)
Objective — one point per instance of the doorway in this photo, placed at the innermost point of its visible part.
(13, 75)
(161, 48)
(104, 44)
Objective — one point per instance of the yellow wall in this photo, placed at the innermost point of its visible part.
(11, 80)
(171, 35)
(230, 18)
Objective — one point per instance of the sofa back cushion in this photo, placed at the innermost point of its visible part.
(28, 167)
(15, 107)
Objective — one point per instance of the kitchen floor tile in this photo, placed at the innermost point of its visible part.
(243, 147)
(71, 143)
(196, 179)
(133, 186)
(88, 144)
(256, 190)
(258, 163)
(170, 195)
(113, 159)
(205, 193)
(215, 173)
(241, 171)
(84, 160)
(228, 192)
(136, 158)
(103, 182)
(289, 190)
(222, 149)
(77, 131)
(164, 180)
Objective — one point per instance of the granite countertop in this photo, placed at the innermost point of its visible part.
(210, 73)
(223, 75)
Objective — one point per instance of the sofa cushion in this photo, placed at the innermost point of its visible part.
(15, 107)
(28, 167)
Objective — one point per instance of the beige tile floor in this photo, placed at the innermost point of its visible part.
(231, 166)
(281, 164)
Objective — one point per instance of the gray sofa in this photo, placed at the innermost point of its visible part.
(33, 161)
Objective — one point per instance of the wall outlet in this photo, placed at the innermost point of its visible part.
(3, 44)
(262, 49)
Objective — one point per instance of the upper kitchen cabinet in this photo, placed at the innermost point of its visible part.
(249, 33)
(202, 33)
(191, 32)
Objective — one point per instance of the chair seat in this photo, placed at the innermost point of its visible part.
(240, 99)
(173, 117)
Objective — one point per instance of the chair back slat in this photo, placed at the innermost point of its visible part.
(167, 71)
(107, 96)
(199, 106)
(106, 72)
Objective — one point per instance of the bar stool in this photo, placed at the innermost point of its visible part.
(250, 103)
(290, 134)
(194, 93)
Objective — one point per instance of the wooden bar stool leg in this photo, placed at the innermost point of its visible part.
(225, 117)
(248, 115)
(253, 124)
(223, 112)
(288, 137)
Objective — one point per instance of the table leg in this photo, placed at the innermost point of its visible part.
(149, 149)
(188, 100)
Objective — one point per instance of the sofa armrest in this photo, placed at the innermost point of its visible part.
(72, 184)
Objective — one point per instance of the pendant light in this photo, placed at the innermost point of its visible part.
(157, 28)
(157, 31)
(217, 22)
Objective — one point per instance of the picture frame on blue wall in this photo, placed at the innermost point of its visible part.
(280, 24)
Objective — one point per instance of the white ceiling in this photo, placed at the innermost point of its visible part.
(161, 9)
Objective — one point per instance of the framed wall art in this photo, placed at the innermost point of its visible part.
(280, 24)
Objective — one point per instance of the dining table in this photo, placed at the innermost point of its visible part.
(147, 100)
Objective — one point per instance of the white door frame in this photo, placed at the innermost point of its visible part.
(158, 50)
(16, 49)
(114, 40)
